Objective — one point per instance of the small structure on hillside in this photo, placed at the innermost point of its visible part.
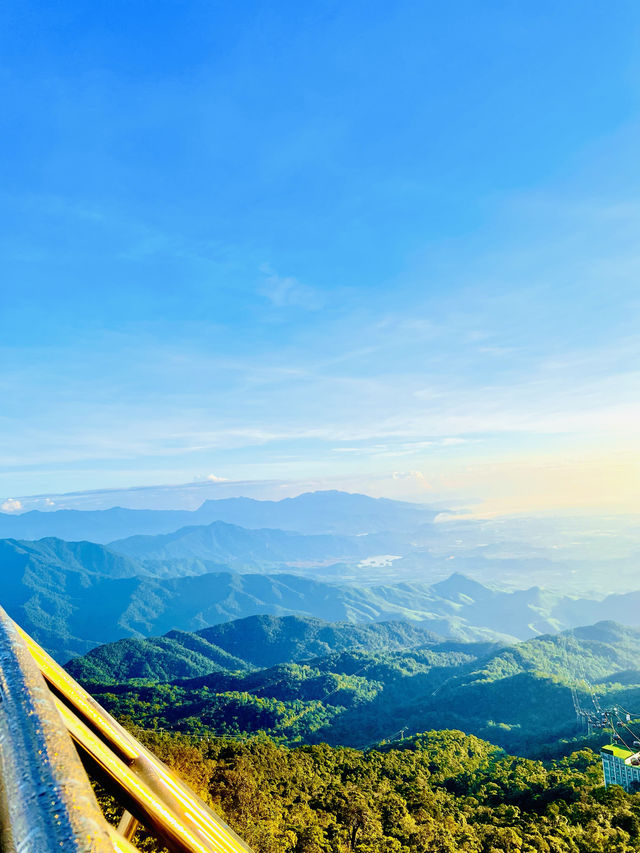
(620, 766)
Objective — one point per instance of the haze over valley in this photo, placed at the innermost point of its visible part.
(342, 557)
(353, 617)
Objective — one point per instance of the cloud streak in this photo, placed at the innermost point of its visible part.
(288, 292)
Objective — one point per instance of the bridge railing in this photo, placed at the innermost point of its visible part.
(46, 799)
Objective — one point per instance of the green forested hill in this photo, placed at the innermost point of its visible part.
(176, 655)
(440, 792)
(41, 560)
(268, 640)
(518, 697)
(242, 644)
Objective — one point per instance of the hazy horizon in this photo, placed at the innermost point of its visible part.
(193, 494)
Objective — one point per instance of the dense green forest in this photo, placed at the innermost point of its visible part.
(438, 792)
(351, 699)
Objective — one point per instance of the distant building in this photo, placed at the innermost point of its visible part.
(620, 766)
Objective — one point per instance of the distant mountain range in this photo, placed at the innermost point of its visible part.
(247, 550)
(328, 512)
(367, 683)
(337, 536)
(75, 596)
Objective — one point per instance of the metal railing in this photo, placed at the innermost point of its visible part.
(46, 799)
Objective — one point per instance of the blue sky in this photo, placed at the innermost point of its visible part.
(389, 246)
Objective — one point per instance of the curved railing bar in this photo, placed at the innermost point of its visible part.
(46, 800)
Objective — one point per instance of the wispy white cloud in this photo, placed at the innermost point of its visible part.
(11, 505)
(288, 292)
(210, 478)
(416, 476)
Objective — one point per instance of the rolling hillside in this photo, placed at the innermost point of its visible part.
(242, 644)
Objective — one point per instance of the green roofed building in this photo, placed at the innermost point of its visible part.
(620, 766)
